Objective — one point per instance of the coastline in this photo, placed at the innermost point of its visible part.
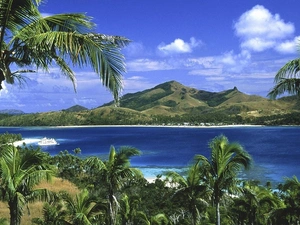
(185, 142)
(164, 126)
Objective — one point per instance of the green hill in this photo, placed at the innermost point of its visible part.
(172, 103)
(76, 108)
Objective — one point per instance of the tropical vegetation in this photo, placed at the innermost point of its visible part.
(20, 173)
(287, 80)
(30, 42)
(220, 172)
(111, 191)
(170, 103)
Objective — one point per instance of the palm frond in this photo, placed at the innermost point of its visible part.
(74, 22)
(21, 202)
(16, 14)
(287, 80)
(289, 85)
(62, 38)
(38, 42)
(177, 178)
(290, 70)
(95, 163)
(42, 194)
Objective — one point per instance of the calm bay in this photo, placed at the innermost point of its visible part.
(275, 150)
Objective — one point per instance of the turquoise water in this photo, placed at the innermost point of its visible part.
(275, 150)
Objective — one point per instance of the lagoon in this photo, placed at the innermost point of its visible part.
(275, 150)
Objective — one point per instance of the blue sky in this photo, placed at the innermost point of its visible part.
(210, 45)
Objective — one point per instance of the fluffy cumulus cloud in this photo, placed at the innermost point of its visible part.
(260, 30)
(179, 46)
(234, 63)
(288, 46)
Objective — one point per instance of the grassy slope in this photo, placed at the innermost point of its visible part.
(167, 99)
(37, 207)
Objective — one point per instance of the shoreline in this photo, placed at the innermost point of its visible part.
(155, 126)
(158, 126)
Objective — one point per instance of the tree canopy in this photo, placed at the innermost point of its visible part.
(31, 42)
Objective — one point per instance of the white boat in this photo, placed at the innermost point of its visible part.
(47, 141)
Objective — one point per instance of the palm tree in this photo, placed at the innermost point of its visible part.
(83, 209)
(159, 219)
(190, 189)
(31, 42)
(129, 209)
(20, 172)
(114, 173)
(287, 80)
(290, 193)
(255, 204)
(221, 170)
(54, 213)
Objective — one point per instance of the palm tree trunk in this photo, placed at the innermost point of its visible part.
(112, 209)
(13, 212)
(218, 216)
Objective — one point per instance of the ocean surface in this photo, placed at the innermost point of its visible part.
(275, 150)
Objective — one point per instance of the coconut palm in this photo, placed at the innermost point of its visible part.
(220, 172)
(287, 80)
(290, 193)
(191, 190)
(129, 209)
(255, 204)
(20, 172)
(114, 173)
(29, 42)
(158, 219)
(54, 213)
(84, 209)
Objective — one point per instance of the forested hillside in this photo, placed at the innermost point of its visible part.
(172, 103)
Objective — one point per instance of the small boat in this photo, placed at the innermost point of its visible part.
(47, 141)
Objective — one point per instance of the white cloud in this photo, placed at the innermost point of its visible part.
(136, 78)
(206, 62)
(289, 46)
(137, 83)
(234, 62)
(216, 78)
(147, 65)
(179, 46)
(206, 72)
(260, 30)
(6, 93)
(258, 44)
(46, 14)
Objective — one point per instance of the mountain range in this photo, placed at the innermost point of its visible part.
(171, 102)
(173, 98)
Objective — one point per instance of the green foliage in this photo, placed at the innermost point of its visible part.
(220, 171)
(21, 169)
(213, 98)
(7, 138)
(172, 103)
(53, 213)
(29, 40)
(141, 102)
(118, 193)
(287, 80)
(70, 167)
